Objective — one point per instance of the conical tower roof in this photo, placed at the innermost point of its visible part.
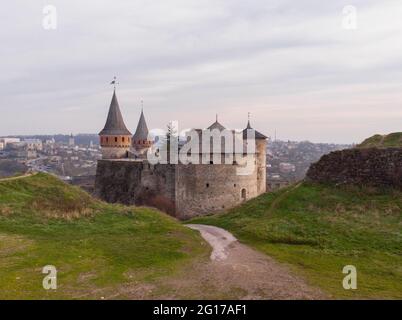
(257, 135)
(115, 123)
(142, 129)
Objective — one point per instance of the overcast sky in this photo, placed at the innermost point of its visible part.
(292, 64)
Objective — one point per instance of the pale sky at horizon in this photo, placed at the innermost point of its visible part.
(290, 63)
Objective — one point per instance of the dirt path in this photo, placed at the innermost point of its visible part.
(252, 273)
(18, 177)
(232, 271)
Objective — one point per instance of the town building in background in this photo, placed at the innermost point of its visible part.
(288, 161)
(73, 159)
(71, 141)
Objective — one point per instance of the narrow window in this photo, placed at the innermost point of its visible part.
(243, 194)
(115, 139)
(122, 139)
(207, 185)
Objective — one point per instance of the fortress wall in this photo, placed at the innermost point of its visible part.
(207, 188)
(181, 190)
(136, 182)
(361, 167)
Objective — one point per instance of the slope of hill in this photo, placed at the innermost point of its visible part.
(318, 230)
(99, 250)
(383, 141)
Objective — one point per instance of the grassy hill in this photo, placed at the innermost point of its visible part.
(318, 230)
(97, 248)
(383, 141)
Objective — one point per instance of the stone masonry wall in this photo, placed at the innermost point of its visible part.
(183, 191)
(208, 188)
(136, 183)
(362, 167)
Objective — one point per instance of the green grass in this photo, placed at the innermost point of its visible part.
(318, 230)
(383, 141)
(96, 247)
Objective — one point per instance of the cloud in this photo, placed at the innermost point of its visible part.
(290, 63)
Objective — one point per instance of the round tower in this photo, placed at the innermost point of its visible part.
(260, 157)
(140, 141)
(115, 139)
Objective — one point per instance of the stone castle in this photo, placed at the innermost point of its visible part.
(184, 190)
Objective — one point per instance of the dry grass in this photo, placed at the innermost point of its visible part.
(5, 210)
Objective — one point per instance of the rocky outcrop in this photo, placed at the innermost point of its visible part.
(372, 167)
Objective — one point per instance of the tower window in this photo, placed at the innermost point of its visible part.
(115, 139)
(243, 194)
(207, 185)
(107, 139)
(122, 139)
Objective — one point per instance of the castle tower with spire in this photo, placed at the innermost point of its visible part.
(183, 189)
(115, 139)
(260, 155)
(140, 141)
